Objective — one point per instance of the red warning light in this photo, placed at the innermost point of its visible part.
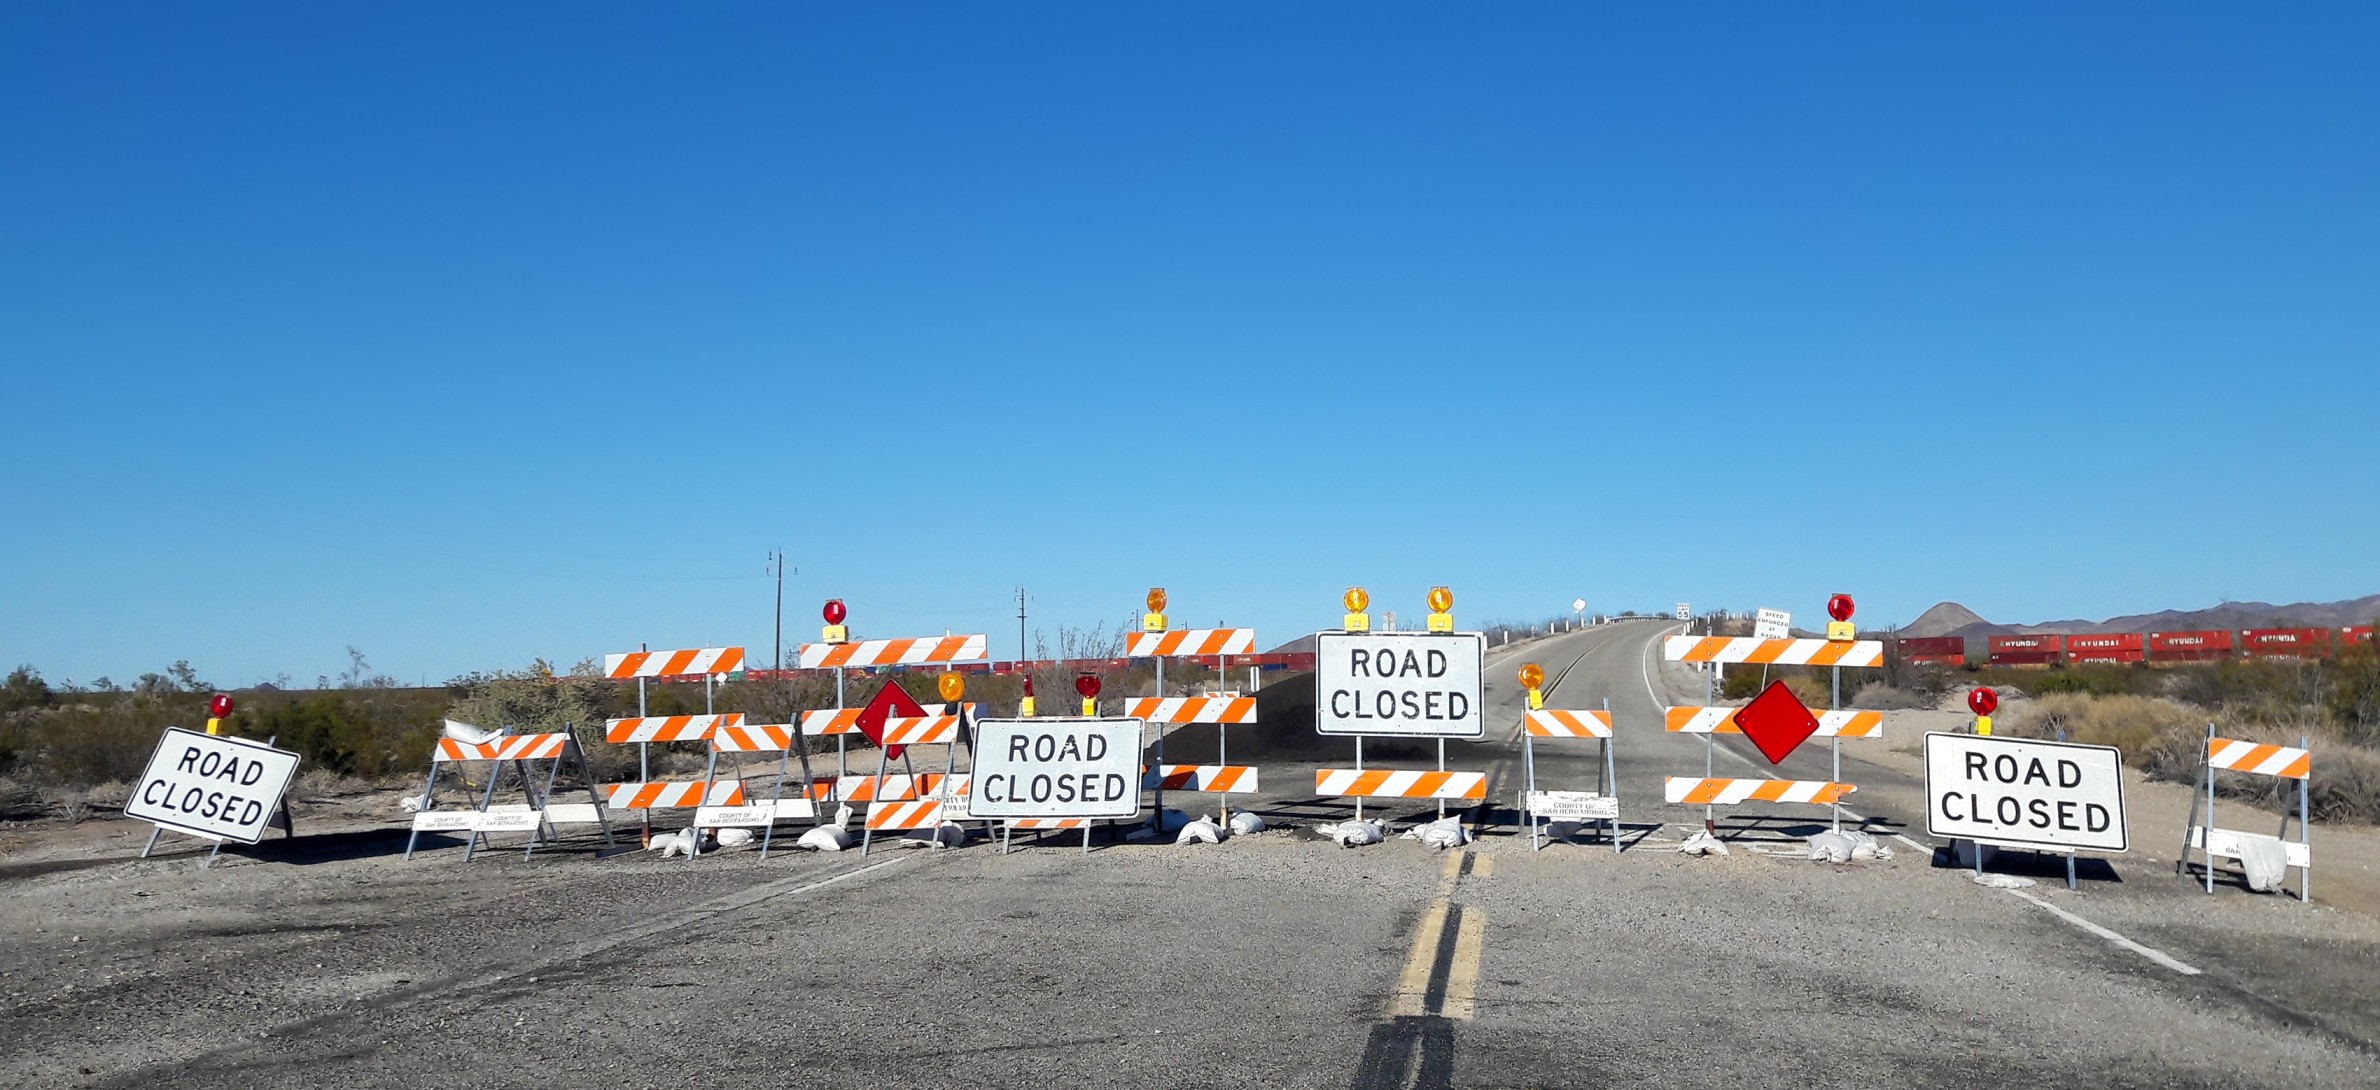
(1839, 607)
(1982, 701)
(1088, 685)
(834, 611)
(220, 706)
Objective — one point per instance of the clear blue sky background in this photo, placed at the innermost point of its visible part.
(465, 334)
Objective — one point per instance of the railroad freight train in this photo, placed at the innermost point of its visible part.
(2153, 648)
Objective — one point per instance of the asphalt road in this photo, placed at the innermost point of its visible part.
(1275, 960)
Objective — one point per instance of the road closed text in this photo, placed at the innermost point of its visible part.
(1056, 768)
(1404, 683)
(212, 786)
(2016, 791)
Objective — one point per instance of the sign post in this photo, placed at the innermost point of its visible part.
(2056, 797)
(215, 787)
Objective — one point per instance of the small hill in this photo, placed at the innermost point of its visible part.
(1945, 619)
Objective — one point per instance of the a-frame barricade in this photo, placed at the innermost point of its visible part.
(2213, 842)
(537, 816)
(651, 795)
(787, 741)
(1602, 805)
(900, 803)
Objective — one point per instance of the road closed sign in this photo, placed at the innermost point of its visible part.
(2060, 796)
(1058, 767)
(1405, 683)
(212, 785)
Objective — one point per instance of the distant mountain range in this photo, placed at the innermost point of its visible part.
(1953, 619)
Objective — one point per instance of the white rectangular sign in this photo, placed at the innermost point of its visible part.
(1772, 624)
(1056, 767)
(2057, 795)
(212, 785)
(754, 815)
(1406, 683)
(1685, 612)
(1572, 805)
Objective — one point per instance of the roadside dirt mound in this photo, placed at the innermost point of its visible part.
(1284, 731)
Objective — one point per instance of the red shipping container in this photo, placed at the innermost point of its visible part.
(2037, 650)
(2299, 643)
(2199, 646)
(2118, 647)
(2104, 641)
(2358, 633)
(1934, 650)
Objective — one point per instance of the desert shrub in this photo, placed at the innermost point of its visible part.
(1891, 698)
(2160, 737)
(19, 800)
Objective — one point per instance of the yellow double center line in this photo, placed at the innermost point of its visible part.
(1441, 974)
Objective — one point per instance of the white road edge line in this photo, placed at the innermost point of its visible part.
(2151, 953)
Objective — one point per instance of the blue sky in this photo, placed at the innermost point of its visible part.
(465, 334)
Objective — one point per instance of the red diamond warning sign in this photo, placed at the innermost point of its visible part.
(892, 701)
(1776, 721)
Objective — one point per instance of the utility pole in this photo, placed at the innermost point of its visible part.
(1023, 651)
(779, 557)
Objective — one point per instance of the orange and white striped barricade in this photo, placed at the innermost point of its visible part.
(1056, 772)
(1221, 710)
(649, 794)
(842, 724)
(2255, 759)
(904, 803)
(787, 741)
(1580, 806)
(1718, 651)
(871, 654)
(1722, 791)
(1834, 725)
(1389, 783)
(1224, 710)
(539, 813)
(901, 803)
(644, 664)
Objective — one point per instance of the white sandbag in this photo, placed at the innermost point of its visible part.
(1350, 834)
(1703, 843)
(1847, 847)
(1864, 846)
(1830, 848)
(414, 804)
(1244, 822)
(1444, 833)
(686, 842)
(470, 735)
(2265, 861)
(1202, 831)
(733, 838)
(946, 835)
(829, 838)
